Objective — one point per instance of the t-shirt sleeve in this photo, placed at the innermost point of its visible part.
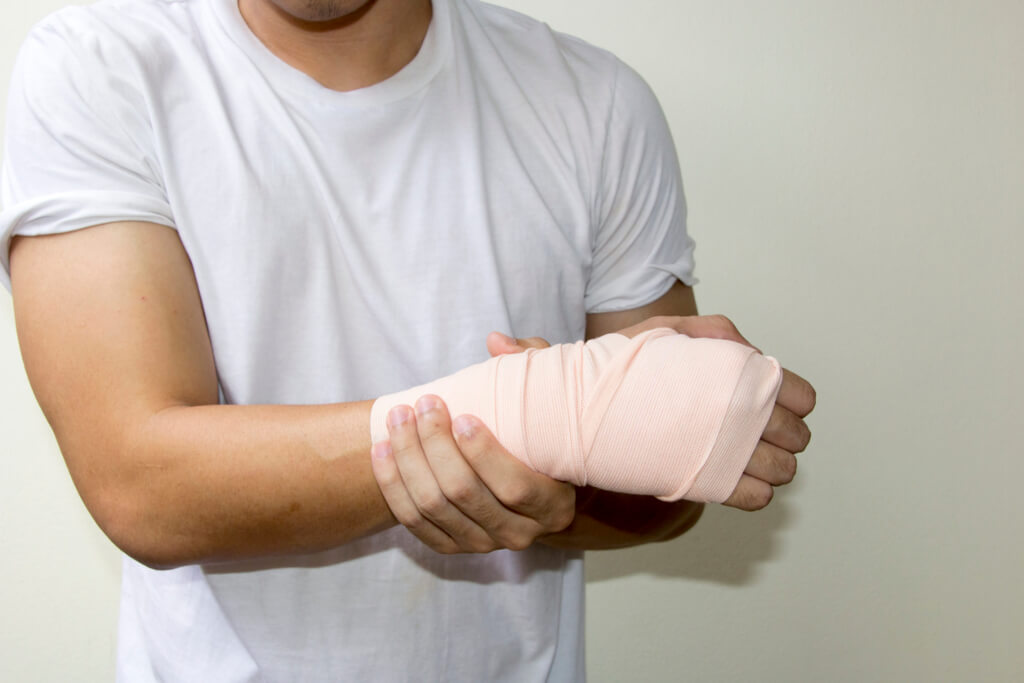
(641, 246)
(78, 146)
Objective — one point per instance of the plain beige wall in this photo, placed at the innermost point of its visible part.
(855, 173)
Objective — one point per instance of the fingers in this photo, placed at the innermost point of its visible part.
(786, 430)
(796, 394)
(385, 471)
(463, 488)
(771, 464)
(458, 484)
(550, 503)
(499, 344)
(433, 490)
(750, 494)
(420, 502)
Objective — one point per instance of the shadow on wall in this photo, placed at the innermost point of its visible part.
(725, 547)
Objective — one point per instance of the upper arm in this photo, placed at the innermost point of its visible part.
(111, 330)
(679, 300)
(640, 241)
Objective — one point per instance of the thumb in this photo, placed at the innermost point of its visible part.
(499, 344)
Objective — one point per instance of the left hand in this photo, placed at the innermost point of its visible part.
(773, 462)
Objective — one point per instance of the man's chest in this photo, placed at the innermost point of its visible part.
(420, 188)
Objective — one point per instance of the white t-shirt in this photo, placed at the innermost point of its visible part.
(348, 245)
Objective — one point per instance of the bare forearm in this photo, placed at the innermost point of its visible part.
(606, 521)
(215, 483)
(115, 343)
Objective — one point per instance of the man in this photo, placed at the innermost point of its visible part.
(235, 225)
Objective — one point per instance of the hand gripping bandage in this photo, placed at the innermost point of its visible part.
(660, 414)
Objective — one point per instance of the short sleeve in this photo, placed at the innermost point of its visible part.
(640, 244)
(78, 145)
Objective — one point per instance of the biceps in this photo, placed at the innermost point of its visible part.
(677, 301)
(111, 329)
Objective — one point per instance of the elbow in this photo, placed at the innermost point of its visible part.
(136, 489)
(153, 558)
(151, 552)
(134, 506)
(134, 526)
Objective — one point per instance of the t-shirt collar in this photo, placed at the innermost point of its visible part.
(411, 78)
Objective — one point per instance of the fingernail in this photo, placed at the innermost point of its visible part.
(399, 415)
(425, 404)
(381, 450)
(505, 338)
(465, 426)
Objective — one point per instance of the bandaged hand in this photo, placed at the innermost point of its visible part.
(658, 414)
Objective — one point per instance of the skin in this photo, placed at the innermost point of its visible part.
(116, 348)
(343, 44)
(426, 473)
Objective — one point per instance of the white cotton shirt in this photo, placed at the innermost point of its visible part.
(348, 245)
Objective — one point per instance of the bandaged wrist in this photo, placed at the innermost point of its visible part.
(658, 414)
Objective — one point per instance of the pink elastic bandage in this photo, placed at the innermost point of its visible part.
(660, 414)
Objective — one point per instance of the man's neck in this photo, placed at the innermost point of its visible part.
(350, 52)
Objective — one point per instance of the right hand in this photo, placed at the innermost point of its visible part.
(464, 494)
(773, 462)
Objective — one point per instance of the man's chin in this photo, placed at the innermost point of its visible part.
(323, 11)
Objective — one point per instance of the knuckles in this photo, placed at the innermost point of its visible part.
(804, 396)
(562, 517)
(480, 546)
(517, 546)
(759, 498)
(715, 326)
(445, 547)
(517, 537)
(413, 522)
(433, 504)
(798, 435)
(791, 432)
(511, 538)
(786, 468)
(432, 427)
(789, 469)
(387, 477)
(461, 493)
(750, 496)
(720, 321)
(534, 343)
(723, 325)
(517, 494)
(810, 398)
(805, 436)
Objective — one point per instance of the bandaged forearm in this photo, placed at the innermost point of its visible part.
(660, 414)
